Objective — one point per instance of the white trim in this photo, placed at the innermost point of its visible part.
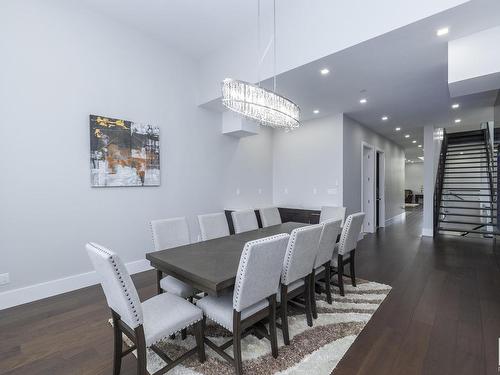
(426, 232)
(51, 288)
(395, 218)
(381, 214)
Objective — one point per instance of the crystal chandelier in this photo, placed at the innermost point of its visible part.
(256, 103)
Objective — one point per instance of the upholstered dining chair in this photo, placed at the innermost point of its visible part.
(347, 247)
(322, 263)
(270, 216)
(146, 323)
(213, 226)
(168, 233)
(253, 298)
(244, 221)
(296, 275)
(332, 212)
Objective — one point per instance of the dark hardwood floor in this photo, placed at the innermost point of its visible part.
(442, 316)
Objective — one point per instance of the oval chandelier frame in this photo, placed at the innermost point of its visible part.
(260, 104)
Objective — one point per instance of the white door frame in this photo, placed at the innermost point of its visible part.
(381, 187)
(370, 216)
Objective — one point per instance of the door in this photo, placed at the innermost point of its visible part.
(380, 189)
(368, 188)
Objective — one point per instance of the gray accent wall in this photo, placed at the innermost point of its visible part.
(353, 135)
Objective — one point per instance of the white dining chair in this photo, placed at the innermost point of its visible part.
(301, 252)
(213, 226)
(322, 263)
(269, 216)
(244, 221)
(169, 233)
(146, 323)
(347, 246)
(332, 212)
(253, 298)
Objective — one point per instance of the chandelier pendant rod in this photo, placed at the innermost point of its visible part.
(274, 42)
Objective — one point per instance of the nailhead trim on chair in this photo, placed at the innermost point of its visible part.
(124, 287)
(343, 237)
(291, 244)
(244, 259)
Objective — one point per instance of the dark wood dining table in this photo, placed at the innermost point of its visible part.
(211, 266)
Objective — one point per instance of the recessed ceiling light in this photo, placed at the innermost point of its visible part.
(421, 158)
(457, 120)
(385, 118)
(363, 101)
(461, 153)
(316, 111)
(455, 106)
(442, 31)
(398, 129)
(324, 71)
(407, 136)
(413, 141)
(420, 146)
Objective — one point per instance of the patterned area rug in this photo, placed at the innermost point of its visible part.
(313, 350)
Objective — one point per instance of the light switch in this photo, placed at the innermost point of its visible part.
(4, 278)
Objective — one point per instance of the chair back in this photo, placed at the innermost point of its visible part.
(213, 226)
(259, 270)
(332, 212)
(301, 252)
(350, 233)
(331, 230)
(168, 233)
(118, 287)
(270, 216)
(244, 221)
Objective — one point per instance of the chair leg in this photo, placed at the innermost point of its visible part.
(340, 274)
(141, 351)
(312, 293)
(200, 337)
(307, 298)
(272, 325)
(328, 290)
(118, 345)
(183, 334)
(351, 266)
(284, 314)
(237, 342)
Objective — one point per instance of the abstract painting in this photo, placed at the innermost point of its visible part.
(123, 153)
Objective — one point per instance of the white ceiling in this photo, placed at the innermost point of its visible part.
(404, 73)
(195, 27)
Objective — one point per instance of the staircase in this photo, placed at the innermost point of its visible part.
(465, 198)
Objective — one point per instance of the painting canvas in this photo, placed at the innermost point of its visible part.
(123, 153)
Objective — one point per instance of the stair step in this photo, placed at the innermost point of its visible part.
(466, 208)
(467, 194)
(468, 215)
(469, 147)
(464, 162)
(465, 222)
(494, 232)
(474, 167)
(455, 177)
(466, 182)
(468, 158)
(466, 201)
(465, 153)
(463, 172)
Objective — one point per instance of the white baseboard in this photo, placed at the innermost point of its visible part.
(51, 288)
(393, 219)
(426, 232)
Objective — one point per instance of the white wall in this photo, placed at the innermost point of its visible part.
(59, 64)
(474, 63)
(353, 136)
(308, 164)
(414, 177)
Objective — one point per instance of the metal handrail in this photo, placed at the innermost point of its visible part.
(438, 188)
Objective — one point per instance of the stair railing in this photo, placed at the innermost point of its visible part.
(438, 188)
(489, 160)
